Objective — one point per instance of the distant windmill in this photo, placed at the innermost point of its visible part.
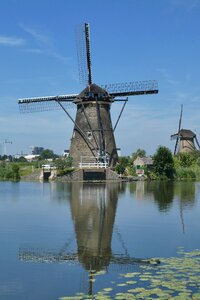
(185, 138)
(93, 134)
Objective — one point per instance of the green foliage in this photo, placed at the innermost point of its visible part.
(123, 163)
(130, 170)
(187, 165)
(21, 159)
(62, 163)
(9, 171)
(119, 168)
(198, 161)
(64, 166)
(15, 171)
(163, 163)
(69, 161)
(65, 171)
(6, 157)
(186, 159)
(47, 154)
(139, 152)
(187, 173)
(184, 166)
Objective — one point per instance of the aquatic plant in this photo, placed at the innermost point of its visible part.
(175, 278)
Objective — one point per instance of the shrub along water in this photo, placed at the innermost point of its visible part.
(184, 166)
(9, 171)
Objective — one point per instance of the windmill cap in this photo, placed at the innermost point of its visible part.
(184, 133)
(187, 133)
(92, 91)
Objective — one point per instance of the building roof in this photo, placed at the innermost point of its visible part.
(143, 161)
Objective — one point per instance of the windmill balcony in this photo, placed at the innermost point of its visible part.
(92, 163)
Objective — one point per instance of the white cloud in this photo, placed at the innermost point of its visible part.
(41, 38)
(11, 41)
(44, 43)
(34, 50)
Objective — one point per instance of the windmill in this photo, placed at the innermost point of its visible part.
(93, 134)
(185, 138)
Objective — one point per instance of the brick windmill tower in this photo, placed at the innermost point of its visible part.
(93, 142)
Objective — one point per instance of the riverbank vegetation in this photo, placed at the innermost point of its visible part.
(9, 171)
(17, 168)
(184, 166)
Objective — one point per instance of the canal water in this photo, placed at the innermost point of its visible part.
(55, 237)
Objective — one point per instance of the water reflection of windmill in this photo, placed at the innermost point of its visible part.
(185, 138)
(93, 209)
(93, 134)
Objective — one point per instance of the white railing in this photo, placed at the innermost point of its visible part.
(48, 167)
(92, 162)
(93, 165)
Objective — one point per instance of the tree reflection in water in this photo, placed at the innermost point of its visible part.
(164, 193)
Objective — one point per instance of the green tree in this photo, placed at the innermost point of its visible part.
(119, 168)
(139, 152)
(122, 164)
(63, 163)
(186, 159)
(163, 163)
(15, 170)
(46, 154)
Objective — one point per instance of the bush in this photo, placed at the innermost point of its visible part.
(122, 164)
(9, 171)
(185, 173)
(62, 163)
(15, 171)
(163, 163)
(65, 171)
(186, 159)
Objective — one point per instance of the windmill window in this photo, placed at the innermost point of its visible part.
(89, 135)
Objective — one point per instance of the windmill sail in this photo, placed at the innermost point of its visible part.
(179, 128)
(87, 37)
(36, 104)
(83, 54)
(132, 88)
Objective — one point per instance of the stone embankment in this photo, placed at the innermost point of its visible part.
(34, 176)
(81, 175)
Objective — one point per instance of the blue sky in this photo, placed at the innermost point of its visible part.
(131, 40)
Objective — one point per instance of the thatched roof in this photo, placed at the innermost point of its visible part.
(184, 133)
